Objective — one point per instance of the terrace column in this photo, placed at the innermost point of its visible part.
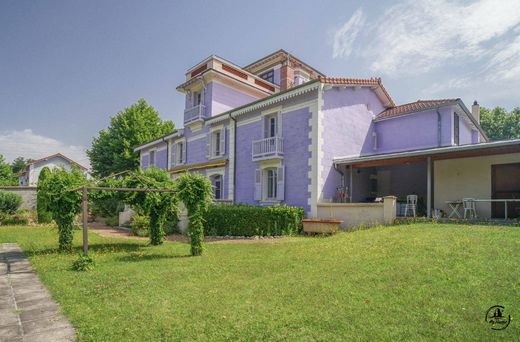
(429, 187)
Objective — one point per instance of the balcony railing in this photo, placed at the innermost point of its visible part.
(267, 148)
(194, 113)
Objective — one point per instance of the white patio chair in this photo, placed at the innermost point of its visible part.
(469, 206)
(411, 204)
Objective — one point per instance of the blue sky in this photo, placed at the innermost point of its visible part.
(67, 66)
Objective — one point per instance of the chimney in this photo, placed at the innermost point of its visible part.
(286, 75)
(475, 111)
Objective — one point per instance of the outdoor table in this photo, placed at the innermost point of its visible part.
(500, 200)
(454, 205)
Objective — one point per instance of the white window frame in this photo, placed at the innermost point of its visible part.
(268, 115)
(211, 173)
(154, 153)
(217, 142)
(262, 187)
(270, 175)
(178, 149)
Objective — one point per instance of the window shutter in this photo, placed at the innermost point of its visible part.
(266, 127)
(173, 162)
(184, 155)
(208, 145)
(280, 186)
(258, 185)
(222, 141)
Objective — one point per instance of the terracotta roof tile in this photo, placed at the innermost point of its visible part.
(417, 106)
(375, 81)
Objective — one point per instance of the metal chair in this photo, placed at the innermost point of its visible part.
(411, 204)
(469, 206)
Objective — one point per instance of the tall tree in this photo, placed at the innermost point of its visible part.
(18, 164)
(6, 173)
(500, 124)
(112, 150)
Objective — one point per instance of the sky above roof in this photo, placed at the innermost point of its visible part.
(67, 66)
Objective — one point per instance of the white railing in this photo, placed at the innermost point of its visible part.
(268, 147)
(194, 113)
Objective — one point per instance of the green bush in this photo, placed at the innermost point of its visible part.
(249, 220)
(83, 263)
(18, 218)
(9, 202)
(140, 225)
(112, 221)
(44, 215)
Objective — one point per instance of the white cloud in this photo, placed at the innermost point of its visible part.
(417, 36)
(27, 144)
(346, 35)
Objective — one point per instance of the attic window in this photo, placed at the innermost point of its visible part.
(268, 76)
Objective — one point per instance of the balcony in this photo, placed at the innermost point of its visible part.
(193, 114)
(267, 148)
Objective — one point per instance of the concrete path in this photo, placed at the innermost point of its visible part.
(27, 311)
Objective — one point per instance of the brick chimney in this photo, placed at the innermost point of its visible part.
(475, 111)
(286, 76)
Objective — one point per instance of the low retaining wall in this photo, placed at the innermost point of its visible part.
(28, 194)
(359, 214)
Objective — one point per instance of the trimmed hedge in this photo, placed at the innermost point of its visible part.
(250, 220)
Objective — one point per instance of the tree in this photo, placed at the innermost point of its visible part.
(499, 124)
(113, 150)
(19, 164)
(6, 173)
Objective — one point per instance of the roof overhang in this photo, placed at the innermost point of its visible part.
(438, 153)
(199, 166)
(164, 138)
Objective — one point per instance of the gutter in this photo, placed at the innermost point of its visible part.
(234, 156)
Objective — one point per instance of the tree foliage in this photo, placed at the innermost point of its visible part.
(19, 164)
(6, 173)
(61, 202)
(500, 124)
(112, 150)
(195, 192)
(44, 215)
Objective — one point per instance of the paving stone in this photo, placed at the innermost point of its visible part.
(10, 331)
(45, 324)
(59, 334)
(35, 303)
(8, 317)
(38, 313)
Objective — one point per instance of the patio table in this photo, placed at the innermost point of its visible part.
(454, 205)
(505, 200)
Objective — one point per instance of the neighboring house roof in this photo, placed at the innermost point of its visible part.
(58, 155)
(362, 82)
(279, 54)
(416, 106)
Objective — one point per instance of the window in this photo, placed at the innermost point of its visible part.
(268, 76)
(217, 143)
(456, 132)
(197, 98)
(152, 158)
(271, 183)
(179, 153)
(271, 126)
(217, 186)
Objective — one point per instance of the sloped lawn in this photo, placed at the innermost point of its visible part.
(416, 282)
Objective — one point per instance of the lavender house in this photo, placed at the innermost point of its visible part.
(278, 131)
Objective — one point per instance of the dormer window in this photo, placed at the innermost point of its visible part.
(268, 76)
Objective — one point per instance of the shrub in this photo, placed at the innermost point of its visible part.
(9, 202)
(83, 263)
(112, 221)
(249, 220)
(140, 225)
(19, 218)
(44, 215)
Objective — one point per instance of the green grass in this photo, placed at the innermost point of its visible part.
(416, 282)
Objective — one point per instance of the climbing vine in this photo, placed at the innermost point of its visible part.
(195, 192)
(63, 204)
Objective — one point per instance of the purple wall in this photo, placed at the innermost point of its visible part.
(416, 131)
(222, 98)
(161, 159)
(145, 159)
(465, 135)
(347, 123)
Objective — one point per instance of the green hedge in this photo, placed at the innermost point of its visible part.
(9, 202)
(249, 220)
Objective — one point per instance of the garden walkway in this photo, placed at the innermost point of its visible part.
(27, 311)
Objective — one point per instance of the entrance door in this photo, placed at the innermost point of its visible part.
(505, 183)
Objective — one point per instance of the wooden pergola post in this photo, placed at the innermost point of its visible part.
(85, 219)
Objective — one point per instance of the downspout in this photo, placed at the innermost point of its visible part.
(234, 157)
(439, 136)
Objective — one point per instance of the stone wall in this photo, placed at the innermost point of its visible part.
(28, 194)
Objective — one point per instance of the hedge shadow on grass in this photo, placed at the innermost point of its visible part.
(146, 257)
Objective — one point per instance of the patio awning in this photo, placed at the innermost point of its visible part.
(437, 153)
